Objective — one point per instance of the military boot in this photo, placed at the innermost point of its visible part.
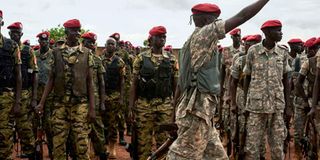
(122, 141)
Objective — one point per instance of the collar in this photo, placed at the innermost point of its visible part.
(78, 48)
(276, 49)
(164, 54)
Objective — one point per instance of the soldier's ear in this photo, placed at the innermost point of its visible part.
(2, 23)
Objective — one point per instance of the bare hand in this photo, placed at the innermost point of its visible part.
(39, 109)
(91, 116)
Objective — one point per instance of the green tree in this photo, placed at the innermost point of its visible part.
(57, 33)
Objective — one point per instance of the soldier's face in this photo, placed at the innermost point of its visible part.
(111, 46)
(274, 33)
(73, 34)
(297, 47)
(43, 42)
(15, 34)
(236, 39)
(159, 41)
(89, 43)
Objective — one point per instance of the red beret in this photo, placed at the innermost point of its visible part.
(316, 42)
(295, 40)
(36, 47)
(72, 23)
(205, 8)
(44, 34)
(115, 35)
(236, 31)
(121, 42)
(89, 35)
(168, 48)
(51, 41)
(15, 25)
(26, 42)
(256, 37)
(271, 23)
(1, 15)
(310, 42)
(245, 37)
(158, 30)
(128, 43)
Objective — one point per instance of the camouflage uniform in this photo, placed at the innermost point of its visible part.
(124, 110)
(43, 75)
(229, 56)
(97, 127)
(113, 108)
(70, 107)
(7, 100)
(266, 101)
(308, 69)
(151, 112)
(317, 118)
(24, 121)
(197, 136)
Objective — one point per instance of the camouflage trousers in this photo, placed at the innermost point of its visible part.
(6, 143)
(260, 124)
(24, 124)
(70, 118)
(196, 140)
(149, 115)
(97, 135)
(113, 115)
(300, 118)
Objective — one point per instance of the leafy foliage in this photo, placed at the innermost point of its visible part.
(57, 33)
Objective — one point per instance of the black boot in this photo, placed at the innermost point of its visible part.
(122, 142)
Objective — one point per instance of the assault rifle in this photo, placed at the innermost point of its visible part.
(309, 141)
(40, 140)
(164, 148)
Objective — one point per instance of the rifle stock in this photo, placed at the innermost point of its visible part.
(164, 148)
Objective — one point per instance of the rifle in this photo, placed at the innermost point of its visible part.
(40, 140)
(132, 147)
(286, 145)
(164, 148)
(236, 140)
(309, 141)
(229, 134)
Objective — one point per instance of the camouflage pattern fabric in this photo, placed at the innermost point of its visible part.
(24, 124)
(63, 113)
(97, 128)
(197, 138)
(149, 115)
(112, 116)
(6, 143)
(266, 99)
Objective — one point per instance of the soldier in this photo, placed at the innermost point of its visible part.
(154, 80)
(26, 42)
(10, 90)
(43, 56)
(307, 71)
(123, 52)
(29, 70)
(59, 42)
(237, 95)
(314, 112)
(268, 92)
(114, 87)
(70, 76)
(97, 127)
(199, 83)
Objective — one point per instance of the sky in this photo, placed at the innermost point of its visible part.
(134, 18)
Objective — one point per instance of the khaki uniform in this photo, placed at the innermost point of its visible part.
(7, 100)
(70, 107)
(266, 101)
(197, 137)
(97, 127)
(150, 113)
(113, 108)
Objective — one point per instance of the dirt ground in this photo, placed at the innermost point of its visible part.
(122, 154)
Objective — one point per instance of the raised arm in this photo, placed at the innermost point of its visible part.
(244, 15)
